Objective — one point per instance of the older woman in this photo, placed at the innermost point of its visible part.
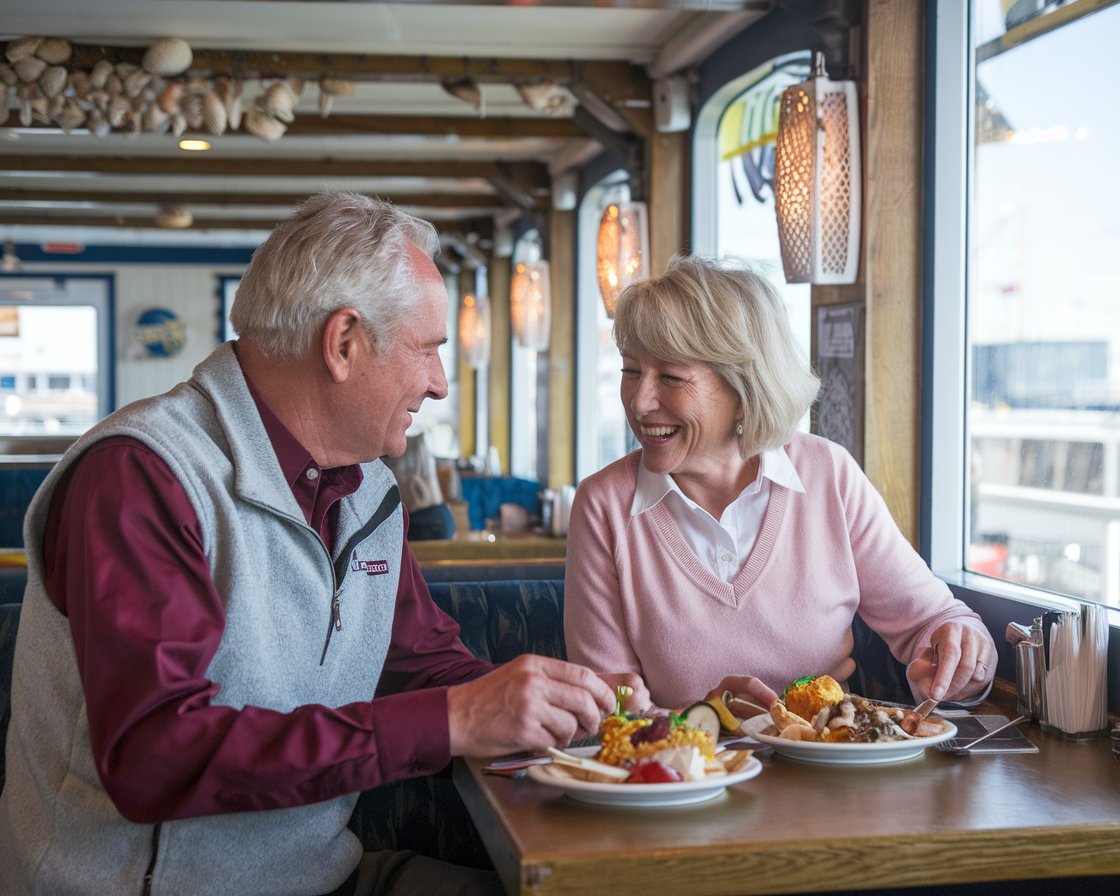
(731, 550)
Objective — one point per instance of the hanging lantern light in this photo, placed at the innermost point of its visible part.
(817, 180)
(474, 330)
(530, 300)
(623, 249)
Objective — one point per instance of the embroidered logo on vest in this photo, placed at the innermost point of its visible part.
(369, 567)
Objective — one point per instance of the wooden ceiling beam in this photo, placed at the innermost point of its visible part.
(483, 226)
(467, 127)
(391, 68)
(106, 198)
(533, 174)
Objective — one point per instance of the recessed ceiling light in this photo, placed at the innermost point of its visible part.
(194, 145)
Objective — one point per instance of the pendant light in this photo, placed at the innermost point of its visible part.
(817, 180)
(623, 249)
(530, 298)
(474, 330)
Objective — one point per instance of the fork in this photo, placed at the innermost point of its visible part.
(962, 749)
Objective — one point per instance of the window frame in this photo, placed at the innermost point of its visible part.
(105, 305)
(945, 366)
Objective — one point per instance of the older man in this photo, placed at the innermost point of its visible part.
(219, 585)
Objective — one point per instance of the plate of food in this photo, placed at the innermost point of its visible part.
(667, 759)
(817, 722)
(621, 793)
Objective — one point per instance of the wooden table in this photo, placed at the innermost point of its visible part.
(490, 546)
(939, 819)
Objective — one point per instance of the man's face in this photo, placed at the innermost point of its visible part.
(395, 383)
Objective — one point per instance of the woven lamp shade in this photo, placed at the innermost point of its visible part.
(474, 330)
(817, 181)
(623, 249)
(530, 303)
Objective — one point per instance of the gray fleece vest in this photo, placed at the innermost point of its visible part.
(282, 648)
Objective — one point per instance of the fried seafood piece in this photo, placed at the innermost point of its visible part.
(808, 696)
(790, 725)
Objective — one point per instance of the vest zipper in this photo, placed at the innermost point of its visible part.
(334, 625)
(151, 870)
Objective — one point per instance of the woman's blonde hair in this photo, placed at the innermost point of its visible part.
(724, 314)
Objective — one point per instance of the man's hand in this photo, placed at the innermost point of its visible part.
(531, 703)
(957, 665)
(638, 701)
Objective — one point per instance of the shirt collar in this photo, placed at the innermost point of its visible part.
(302, 474)
(774, 464)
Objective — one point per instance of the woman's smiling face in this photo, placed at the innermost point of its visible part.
(684, 415)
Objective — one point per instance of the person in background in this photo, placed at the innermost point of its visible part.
(225, 636)
(730, 550)
(429, 516)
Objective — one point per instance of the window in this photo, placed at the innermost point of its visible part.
(55, 351)
(1033, 434)
(602, 433)
(735, 138)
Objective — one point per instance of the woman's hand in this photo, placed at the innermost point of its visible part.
(748, 691)
(959, 664)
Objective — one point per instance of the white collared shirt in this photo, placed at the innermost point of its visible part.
(722, 545)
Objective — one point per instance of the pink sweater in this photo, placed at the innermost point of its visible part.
(637, 599)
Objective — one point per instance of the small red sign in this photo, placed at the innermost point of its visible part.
(63, 248)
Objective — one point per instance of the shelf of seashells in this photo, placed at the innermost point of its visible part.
(160, 95)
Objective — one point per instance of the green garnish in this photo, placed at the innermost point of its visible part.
(804, 679)
(620, 694)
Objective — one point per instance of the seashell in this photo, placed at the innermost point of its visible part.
(53, 81)
(22, 48)
(135, 82)
(4, 105)
(192, 107)
(229, 92)
(326, 103)
(169, 99)
(214, 117)
(178, 124)
(71, 116)
(118, 109)
(54, 105)
(279, 101)
(168, 56)
(25, 93)
(176, 217)
(80, 82)
(97, 123)
(260, 124)
(337, 86)
(124, 69)
(40, 110)
(99, 99)
(155, 120)
(100, 72)
(54, 50)
(8, 75)
(233, 113)
(113, 83)
(29, 68)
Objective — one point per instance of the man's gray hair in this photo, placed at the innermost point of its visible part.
(335, 250)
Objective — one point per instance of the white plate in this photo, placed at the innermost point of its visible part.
(846, 754)
(676, 794)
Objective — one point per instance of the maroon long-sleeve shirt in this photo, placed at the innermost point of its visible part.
(124, 561)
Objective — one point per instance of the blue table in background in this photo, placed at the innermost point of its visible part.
(486, 494)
